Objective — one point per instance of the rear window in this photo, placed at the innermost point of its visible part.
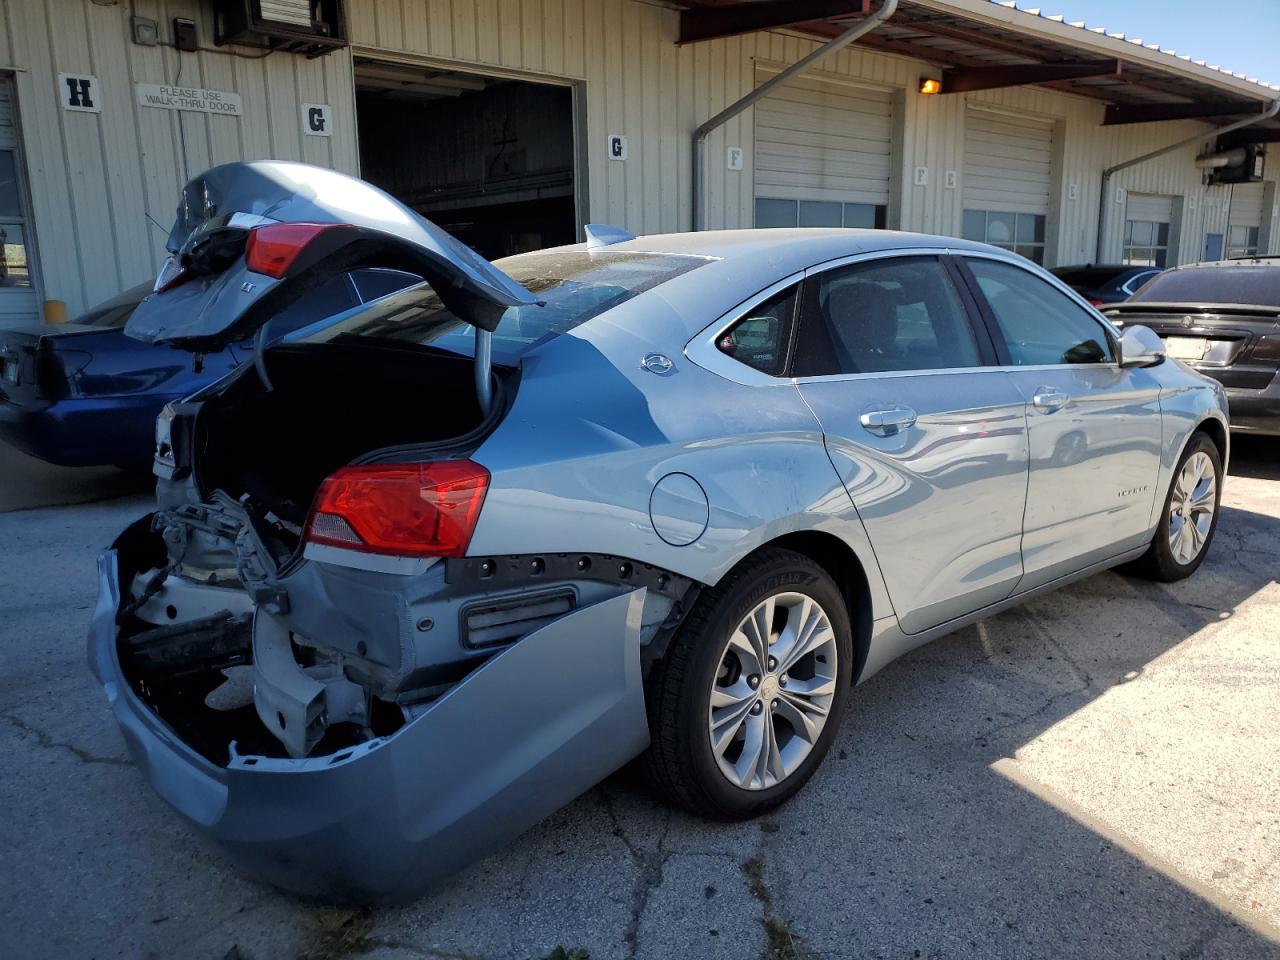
(572, 287)
(1251, 285)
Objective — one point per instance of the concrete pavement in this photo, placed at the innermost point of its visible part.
(1092, 775)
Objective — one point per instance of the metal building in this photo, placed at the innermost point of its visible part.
(514, 122)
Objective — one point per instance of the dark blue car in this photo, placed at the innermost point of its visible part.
(84, 394)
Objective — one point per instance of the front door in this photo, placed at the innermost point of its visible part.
(930, 441)
(1094, 427)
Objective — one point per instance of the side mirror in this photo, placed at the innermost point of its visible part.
(1140, 346)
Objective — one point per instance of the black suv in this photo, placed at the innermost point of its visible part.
(1223, 319)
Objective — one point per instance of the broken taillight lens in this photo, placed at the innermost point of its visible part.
(272, 249)
(403, 509)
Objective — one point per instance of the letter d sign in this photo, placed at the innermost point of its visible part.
(316, 120)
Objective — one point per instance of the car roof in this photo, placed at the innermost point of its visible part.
(818, 243)
(1246, 262)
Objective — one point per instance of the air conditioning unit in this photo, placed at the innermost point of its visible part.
(1245, 164)
(309, 27)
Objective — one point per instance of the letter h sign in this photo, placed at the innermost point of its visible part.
(79, 92)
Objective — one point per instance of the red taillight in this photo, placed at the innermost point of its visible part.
(272, 249)
(405, 509)
(172, 273)
(1097, 303)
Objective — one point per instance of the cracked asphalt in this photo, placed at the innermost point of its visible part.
(1096, 774)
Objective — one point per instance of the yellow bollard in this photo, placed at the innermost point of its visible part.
(55, 311)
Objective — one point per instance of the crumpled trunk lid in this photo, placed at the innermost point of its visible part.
(213, 298)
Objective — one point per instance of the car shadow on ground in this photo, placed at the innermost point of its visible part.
(913, 839)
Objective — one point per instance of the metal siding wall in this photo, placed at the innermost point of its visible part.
(98, 180)
(95, 179)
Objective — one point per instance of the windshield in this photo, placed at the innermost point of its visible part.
(1227, 284)
(571, 286)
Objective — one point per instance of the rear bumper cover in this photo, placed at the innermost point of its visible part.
(521, 736)
(1252, 411)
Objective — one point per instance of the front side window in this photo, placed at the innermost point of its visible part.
(883, 315)
(819, 213)
(1040, 324)
(760, 339)
(1021, 233)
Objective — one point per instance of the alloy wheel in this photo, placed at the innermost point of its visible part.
(773, 690)
(1191, 507)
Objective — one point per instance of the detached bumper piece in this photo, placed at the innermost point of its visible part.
(521, 736)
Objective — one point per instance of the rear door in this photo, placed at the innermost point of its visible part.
(1094, 427)
(929, 439)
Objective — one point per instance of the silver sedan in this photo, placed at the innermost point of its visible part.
(422, 573)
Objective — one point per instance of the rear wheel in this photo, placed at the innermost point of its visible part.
(745, 703)
(1190, 515)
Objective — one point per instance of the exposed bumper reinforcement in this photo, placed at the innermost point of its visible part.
(521, 736)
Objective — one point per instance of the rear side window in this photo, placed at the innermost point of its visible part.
(760, 339)
(1040, 324)
(372, 283)
(883, 315)
(333, 296)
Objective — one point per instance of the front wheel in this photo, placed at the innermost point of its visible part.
(1190, 515)
(746, 701)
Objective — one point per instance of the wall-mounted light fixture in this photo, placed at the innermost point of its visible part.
(928, 85)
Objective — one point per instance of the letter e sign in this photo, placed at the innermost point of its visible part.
(316, 120)
(79, 91)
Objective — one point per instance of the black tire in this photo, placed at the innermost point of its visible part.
(1159, 562)
(680, 763)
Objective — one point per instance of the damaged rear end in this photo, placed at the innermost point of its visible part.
(303, 657)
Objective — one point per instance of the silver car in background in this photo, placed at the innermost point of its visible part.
(421, 574)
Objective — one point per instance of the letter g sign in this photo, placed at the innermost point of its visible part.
(316, 120)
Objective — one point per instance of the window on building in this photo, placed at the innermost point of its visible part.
(818, 213)
(1022, 233)
(896, 314)
(1146, 243)
(1213, 246)
(15, 270)
(1242, 242)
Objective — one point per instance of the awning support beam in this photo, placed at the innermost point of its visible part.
(1103, 205)
(712, 23)
(1152, 112)
(969, 79)
(728, 113)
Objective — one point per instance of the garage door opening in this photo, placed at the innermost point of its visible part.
(489, 159)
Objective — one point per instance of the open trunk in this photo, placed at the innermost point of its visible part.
(324, 405)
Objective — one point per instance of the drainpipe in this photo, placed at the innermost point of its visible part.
(1267, 114)
(728, 113)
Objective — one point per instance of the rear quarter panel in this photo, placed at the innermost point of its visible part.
(591, 432)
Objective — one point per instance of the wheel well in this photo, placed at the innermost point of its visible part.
(1216, 432)
(838, 559)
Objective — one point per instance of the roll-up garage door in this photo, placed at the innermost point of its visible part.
(1008, 170)
(822, 154)
(1246, 220)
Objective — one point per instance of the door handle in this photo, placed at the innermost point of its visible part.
(886, 421)
(1047, 399)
